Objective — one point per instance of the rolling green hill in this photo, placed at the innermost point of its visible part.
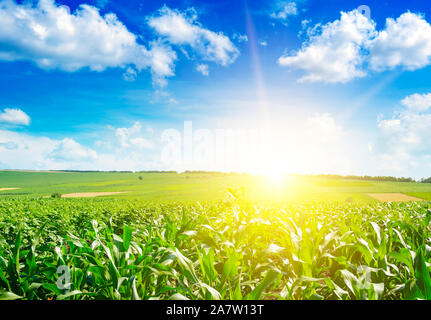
(200, 186)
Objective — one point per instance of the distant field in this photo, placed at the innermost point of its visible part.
(199, 186)
(422, 195)
(393, 197)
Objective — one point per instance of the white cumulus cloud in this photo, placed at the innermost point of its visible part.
(14, 116)
(54, 38)
(130, 75)
(240, 37)
(203, 68)
(162, 59)
(283, 10)
(70, 150)
(405, 42)
(333, 52)
(132, 137)
(26, 151)
(417, 102)
(351, 47)
(182, 28)
(404, 138)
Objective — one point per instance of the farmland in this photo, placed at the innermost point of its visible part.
(211, 236)
(203, 187)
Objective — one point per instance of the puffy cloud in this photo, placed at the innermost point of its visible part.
(203, 68)
(52, 37)
(132, 137)
(130, 75)
(323, 128)
(405, 42)
(404, 139)
(25, 151)
(333, 52)
(283, 11)
(305, 23)
(240, 37)
(408, 130)
(417, 102)
(350, 47)
(14, 116)
(70, 150)
(182, 28)
(162, 59)
(20, 151)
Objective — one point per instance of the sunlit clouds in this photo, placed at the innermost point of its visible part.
(352, 47)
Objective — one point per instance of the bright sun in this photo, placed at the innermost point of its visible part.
(274, 176)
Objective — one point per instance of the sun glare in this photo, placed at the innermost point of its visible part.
(274, 176)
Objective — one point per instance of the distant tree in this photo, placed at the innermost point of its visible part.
(141, 178)
(426, 180)
(56, 195)
(366, 178)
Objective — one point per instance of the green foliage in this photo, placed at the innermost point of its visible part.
(234, 249)
(367, 178)
(202, 186)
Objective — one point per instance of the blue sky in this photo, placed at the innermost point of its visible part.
(104, 85)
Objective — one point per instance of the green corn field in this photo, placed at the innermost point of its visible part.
(233, 249)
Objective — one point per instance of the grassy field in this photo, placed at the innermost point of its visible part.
(168, 187)
(211, 236)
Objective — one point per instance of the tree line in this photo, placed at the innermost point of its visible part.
(374, 178)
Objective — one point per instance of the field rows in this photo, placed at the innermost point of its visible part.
(233, 249)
